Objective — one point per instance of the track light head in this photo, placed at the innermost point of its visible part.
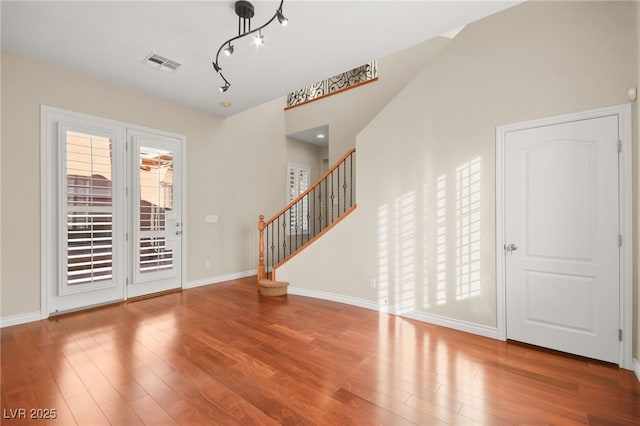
(216, 67)
(258, 39)
(228, 51)
(281, 18)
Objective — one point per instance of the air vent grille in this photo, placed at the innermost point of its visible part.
(160, 62)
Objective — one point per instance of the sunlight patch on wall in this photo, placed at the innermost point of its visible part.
(468, 203)
(383, 253)
(405, 248)
(441, 248)
(426, 234)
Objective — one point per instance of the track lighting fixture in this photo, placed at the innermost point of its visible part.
(245, 12)
(228, 51)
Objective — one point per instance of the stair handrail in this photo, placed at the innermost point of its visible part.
(262, 224)
(312, 187)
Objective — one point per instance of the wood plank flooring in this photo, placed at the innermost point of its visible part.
(224, 355)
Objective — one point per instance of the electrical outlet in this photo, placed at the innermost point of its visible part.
(207, 264)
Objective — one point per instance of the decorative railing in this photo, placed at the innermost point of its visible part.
(307, 217)
(355, 77)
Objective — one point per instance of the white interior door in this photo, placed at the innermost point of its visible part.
(562, 254)
(157, 205)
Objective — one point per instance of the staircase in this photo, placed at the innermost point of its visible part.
(313, 213)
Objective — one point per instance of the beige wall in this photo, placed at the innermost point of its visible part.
(348, 113)
(307, 154)
(535, 60)
(233, 170)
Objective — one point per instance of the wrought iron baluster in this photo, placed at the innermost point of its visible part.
(338, 186)
(326, 204)
(351, 179)
(320, 207)
(270, 253)
(290, 236)
(298, 224)
(344, 185)
(284, 238)
(332, 198)
(266, 260)
(313, 211)
(308, 217)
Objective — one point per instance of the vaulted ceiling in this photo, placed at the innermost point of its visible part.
(109, 40)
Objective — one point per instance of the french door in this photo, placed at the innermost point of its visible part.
(157, 221)
(112, 211)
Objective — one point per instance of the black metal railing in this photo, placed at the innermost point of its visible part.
(354, 77)
(308, 216)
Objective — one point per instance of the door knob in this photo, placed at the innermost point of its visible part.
(511, 247)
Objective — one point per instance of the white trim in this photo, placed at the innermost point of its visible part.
(45, 201)
(636, 368)
(625, 207)
(325, 295)
(466, 326)
(219, 279)
(19, 319)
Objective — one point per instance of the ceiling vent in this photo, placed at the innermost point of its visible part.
(160, 62)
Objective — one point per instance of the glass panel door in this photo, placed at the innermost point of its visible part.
(157, 223)
(91, 237)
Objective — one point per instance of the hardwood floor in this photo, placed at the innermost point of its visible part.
(222, 354)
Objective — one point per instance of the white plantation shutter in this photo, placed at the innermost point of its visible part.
(87, 234)
(298, 177)
(155, 199)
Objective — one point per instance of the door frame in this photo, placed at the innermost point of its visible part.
(48, 192)
(625, 216)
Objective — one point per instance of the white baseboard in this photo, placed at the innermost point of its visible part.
(36, 316)
(325, 295)
(19, 319)
(636, 368)
(219, 279)
(465, 326)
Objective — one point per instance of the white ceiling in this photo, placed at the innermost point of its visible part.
(109, 40)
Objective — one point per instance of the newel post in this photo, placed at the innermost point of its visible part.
(261, 274)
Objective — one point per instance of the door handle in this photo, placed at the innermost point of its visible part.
(511, 247)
